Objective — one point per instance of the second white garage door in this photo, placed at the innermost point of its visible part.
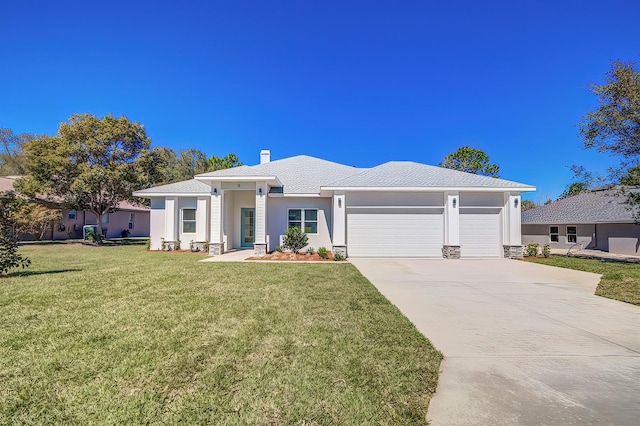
(411, 232)
(480, 234)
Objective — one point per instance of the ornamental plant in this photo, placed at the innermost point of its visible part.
(294, 239)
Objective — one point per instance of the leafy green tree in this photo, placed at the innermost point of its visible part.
(631, 177)
(9, 256)
(471, 160)
(12, 161)
(92, 164)
(614, 127)
(527, 205)
(167, 166)
(574, 188)
(219, 163)
(35, 219)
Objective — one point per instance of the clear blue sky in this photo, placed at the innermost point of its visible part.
(357, 82)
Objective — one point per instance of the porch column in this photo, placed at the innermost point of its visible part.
(451, 247)
(216, 243)
(260, 243)
(339, 239)
(171, 217)
(512, 228)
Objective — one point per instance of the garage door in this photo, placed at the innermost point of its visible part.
(395, 232)
(480, 233)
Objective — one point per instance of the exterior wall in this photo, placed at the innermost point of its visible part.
(156, 221)
(586, 236)
(622, 238)
(278, 217)
(481, 199)
(430, 199)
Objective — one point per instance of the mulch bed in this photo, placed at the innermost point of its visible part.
(293, 257)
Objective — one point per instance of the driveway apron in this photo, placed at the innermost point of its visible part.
(524, 344)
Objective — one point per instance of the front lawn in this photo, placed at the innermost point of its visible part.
(620, 281)
(119, 335)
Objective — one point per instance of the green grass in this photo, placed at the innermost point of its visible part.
(620, 281)
(118, 335)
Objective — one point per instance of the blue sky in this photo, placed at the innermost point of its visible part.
(357, 82)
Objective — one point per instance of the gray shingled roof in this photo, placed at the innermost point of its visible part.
(299, 175)
(191, 186)
(589, 207)
(398, 174)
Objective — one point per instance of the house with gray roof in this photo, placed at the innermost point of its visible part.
(396, 209)
(598, 220)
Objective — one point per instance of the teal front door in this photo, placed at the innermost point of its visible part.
(247, 227)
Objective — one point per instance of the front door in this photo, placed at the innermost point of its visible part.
(247, 227)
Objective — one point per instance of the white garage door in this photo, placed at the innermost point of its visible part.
(395, 232)
(480, 233)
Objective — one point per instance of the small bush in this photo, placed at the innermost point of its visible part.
(546, 250)
(531, 250)
(295, 239)
(148, 244)
(279, 249)
(338, 257)
(125, 233)
(323, 253)
(311, 251)
(205, 246)
(177, 245)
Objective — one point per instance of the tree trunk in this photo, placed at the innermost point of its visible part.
(98, 237)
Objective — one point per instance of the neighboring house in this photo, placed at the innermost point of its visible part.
(129, 217)
(400, 209)
(598, 220)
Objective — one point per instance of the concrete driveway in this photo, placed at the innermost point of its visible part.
(524, 344)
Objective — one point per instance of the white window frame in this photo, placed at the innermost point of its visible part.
(575, 235)
(195, 218)
(557, 234)
(73, 214)
(131, 222)
(303, 219)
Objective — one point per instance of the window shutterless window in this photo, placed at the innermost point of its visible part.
(572, 234)
(72, 215)
(553, 234)
(188, 221)
(305, 219)
(130, 220)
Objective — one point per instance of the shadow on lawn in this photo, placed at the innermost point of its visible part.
(28, 273)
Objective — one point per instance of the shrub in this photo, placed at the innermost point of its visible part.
(205, 246)
(546, 250)
(279, 249)
(322, 252)
(177, 245)
(531, 250)
(125, 233)
(148, 244)
(338, 257)
(295, 239)
(311, 251)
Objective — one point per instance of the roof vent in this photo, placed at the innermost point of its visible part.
(265, 156)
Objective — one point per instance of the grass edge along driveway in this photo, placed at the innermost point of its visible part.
(120, 335)
(620, 281)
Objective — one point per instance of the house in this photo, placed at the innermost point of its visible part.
(132, 218)
(400, 209)
(598, 220)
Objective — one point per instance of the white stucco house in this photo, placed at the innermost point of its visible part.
(397, 209)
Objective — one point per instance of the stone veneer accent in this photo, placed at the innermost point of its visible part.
(513, 252)
(339, 249)
(216, 249)
(197, 246)
(260, 249)
(451, 252)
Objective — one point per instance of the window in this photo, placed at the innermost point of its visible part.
(72, 215)
(305, 219)
(130, 221)
(553, 234)
(188, 221)
(105, 219)
(572, 234)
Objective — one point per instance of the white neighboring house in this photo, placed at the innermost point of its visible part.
(397, 209)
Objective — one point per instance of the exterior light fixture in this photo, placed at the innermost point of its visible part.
(515, 203)
(454, 202)
(260, 191)
(215, 191)
(339, 202)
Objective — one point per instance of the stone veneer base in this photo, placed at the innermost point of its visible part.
(513, 252)
(451, 252)
(216, 249)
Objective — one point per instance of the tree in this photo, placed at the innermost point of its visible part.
(574, 188)
(9, 256)
(614, 127)
(12, 161)
(35, 219)
(631, 177)
(219, 163)
(91, 164)
(471, 160)
(527, 205)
